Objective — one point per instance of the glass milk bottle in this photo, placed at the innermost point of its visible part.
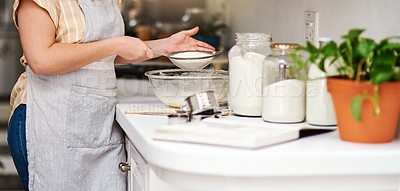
(246, 60)
(320, 110)
(284, 93)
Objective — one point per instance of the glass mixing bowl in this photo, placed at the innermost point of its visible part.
(173, 86)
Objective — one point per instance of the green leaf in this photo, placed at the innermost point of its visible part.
(342, 69)
(314, 57)
(353, 34)
(390, 46)
(346, 51)
(355, 107)
(321, 64)
(314, 52)
(297, 61)
(365, 47)
(385, 59)
(398, 60)
(311, 48)
(330, 49)
(382, 43)
(343, 50)
(381, 75)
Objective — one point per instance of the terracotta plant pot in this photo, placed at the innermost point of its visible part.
(372, 128)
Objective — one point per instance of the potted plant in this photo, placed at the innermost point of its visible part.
(366, 94)
(211, 25)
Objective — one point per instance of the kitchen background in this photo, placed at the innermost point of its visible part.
(284, 19)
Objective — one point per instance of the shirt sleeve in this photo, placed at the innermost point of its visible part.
(51, 6)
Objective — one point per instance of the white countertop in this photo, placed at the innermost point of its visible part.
(318, 155)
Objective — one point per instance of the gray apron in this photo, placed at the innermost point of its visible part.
(71, 140)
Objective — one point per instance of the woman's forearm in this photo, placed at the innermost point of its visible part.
(62, 57)
(160, 45)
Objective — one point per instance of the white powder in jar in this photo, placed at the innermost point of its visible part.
(245, 84)
(284, 101)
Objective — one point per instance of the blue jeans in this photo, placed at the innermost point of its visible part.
(17, 143)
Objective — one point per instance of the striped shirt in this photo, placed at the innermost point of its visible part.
(69, 22)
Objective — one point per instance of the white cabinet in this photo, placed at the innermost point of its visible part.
(138, 168)
(140, 176)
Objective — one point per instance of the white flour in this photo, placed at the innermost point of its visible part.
(194, 60)
(190, 55)
(284, 101)
(245, 84)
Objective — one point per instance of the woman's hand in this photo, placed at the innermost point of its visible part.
(130, 48)
(182, 41)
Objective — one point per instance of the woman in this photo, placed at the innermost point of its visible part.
(68, 92)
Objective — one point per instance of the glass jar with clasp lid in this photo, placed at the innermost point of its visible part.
(276, 66)
(283, 90)
(246, 60)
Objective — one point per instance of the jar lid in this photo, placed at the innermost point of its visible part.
(284, 46)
